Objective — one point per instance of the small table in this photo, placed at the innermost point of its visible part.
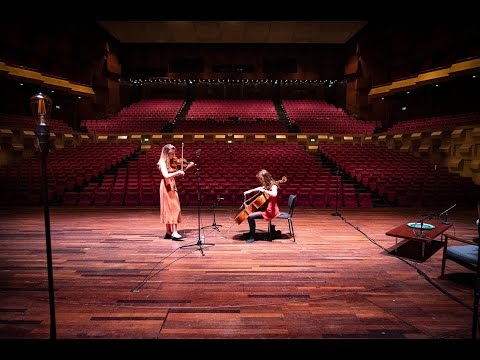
(406, 232)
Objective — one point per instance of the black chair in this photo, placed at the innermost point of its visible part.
(292, 201)
(465, 255)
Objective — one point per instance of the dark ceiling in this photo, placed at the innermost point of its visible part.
(267, 32)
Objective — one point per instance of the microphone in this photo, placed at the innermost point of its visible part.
(220, 198)
(446, 211)
(428, 215)
(446, 214)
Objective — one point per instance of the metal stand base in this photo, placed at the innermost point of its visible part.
(199, 244)
(214, 226)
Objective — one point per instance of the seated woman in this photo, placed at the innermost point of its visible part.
(270, 187)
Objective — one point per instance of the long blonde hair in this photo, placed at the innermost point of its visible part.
(267, 178)
(164, 155)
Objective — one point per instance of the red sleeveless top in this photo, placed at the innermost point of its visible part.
(272, 210)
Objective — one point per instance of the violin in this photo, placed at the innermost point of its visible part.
(179, 162)
(254, 203)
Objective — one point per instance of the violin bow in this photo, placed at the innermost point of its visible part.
(181, 160)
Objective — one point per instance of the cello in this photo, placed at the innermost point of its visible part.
(254, 203)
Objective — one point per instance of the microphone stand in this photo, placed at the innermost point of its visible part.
(421, 225)
(199, 238)
(336, 213)
(214, 225)
(446, 214)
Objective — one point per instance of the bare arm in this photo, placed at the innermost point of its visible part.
(260, 188)
(190, 164)
(272, 191)
(165, 173)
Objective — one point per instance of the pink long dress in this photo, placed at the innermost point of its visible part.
(170, 211)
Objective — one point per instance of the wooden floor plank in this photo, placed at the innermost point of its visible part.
(115, 277)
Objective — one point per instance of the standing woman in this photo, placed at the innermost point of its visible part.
(270, 187)
(170, 211)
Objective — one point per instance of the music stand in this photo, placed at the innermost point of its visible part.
(214, 225)
(199, 238)
(446, 214)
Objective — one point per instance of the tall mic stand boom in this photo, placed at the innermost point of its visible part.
(199, 238)
(446, 214)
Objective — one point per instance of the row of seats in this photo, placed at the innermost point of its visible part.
(403, 179)
(244, 126)
(231, 116)
(147, 115)
(318, 116)
(67, 169)
(225, 170)
(120, 172)
(310, 116)
(247, 110)
(446, 122)
(103, 196)
(20, 122)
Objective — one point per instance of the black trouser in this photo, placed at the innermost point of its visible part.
(251, 222)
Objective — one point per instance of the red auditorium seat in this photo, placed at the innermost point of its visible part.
(365, 200)
(132, 197)
(86, 198)
(70, 198)
(318, 199)
(350, 200)
(102, 196)
(117, 196)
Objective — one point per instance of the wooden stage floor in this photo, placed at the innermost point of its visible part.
(115, 277)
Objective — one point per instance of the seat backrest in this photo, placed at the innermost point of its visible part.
(465, 255)
(292, 200)
(478, 221)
